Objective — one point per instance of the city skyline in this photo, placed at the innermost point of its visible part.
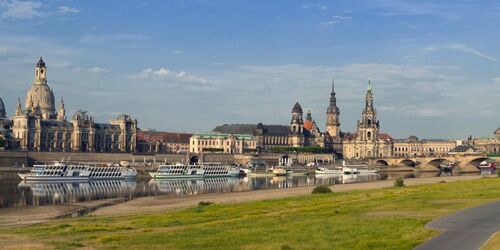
(421, 76)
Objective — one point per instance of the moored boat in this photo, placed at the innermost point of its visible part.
(63, 171)
(326, 171)
(207, 170)
(348, 170)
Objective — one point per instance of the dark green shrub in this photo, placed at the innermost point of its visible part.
(399, 182)
(323, 189)
(205, 203)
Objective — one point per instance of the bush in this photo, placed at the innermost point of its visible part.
(323, 189)
(399, 182)
(205, 203)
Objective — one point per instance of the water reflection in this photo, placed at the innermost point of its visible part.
(17, 194)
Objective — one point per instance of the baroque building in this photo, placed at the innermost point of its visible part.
(368, 142)
(300, 132)
(414, 147)
(222, 143)
(488, 144)
(39, 127)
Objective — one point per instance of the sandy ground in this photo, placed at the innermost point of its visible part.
(162, 203)
(18, 216)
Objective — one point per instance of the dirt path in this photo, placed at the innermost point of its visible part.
(161, 203)
(19, 216)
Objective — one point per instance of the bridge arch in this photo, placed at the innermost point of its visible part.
(408, 163)
(436, 162)
(381, 162)
(477, 161)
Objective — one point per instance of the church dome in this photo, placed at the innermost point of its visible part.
(297, 108)
(2, 109)
(41, 95)
(81, 115)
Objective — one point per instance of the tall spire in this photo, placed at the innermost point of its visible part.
(333, 85)
(19, 109)
(369, 86)
(332, 108)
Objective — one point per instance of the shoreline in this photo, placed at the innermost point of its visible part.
(24, 216)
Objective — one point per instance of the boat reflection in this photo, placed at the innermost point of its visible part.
(71, 192)
(196, 186)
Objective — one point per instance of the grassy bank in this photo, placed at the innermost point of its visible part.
(392, 218)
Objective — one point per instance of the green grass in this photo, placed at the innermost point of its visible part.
(391, 218)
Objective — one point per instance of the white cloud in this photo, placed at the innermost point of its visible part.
(459, 47)
(336, 19)
(496, 79)
(177, 52)
(173, 77)
(21, 9)
(67, 9)
(98, 70)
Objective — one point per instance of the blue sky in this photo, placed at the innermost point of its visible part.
(192, 65)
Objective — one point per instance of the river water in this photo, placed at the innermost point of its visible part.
(16, 193)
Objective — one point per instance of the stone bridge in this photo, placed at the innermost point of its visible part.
(464, 163)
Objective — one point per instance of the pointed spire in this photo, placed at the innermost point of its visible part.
(369, 85)
(19, 109)
(333, 85)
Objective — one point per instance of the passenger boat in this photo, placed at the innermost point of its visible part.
(63, 171)
(484, 165)
(279, 171)
(349, 170)
(178, 170)
(447, 167)
(206, 170)
(326, 171)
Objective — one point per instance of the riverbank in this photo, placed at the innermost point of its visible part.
(31, 215)
(368, 216)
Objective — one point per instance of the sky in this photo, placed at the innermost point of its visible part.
(188, 66)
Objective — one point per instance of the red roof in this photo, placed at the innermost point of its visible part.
(384, 136)
(153, 136)
(308, 124)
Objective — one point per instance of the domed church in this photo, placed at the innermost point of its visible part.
(38, 127)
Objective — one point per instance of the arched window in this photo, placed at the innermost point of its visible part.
(369, 135)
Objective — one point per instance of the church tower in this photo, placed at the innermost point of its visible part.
(61, 113)
(40, 95)
(369, 125)
(296, 127)
(332, 115)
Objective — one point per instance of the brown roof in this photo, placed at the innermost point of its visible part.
(154, 136)
(384, 136)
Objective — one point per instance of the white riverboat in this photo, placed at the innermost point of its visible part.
(326, 171)
(63, 171)
(205, 170)
(178, 170)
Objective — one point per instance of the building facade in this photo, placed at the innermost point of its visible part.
(413, 147)
(368, 142)
(222, 143)
(39, 127)
(162, 142)
(489, 144)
